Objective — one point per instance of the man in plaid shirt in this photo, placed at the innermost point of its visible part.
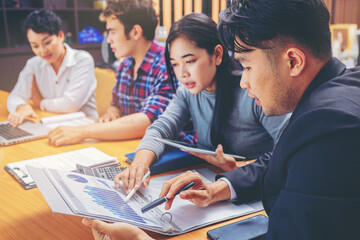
(142, 90)
(148, 93)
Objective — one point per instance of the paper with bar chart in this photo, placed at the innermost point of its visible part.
(98, 198)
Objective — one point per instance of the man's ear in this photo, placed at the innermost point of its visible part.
(296, 61)
(218, 53)
(61, 35)
(136, 32)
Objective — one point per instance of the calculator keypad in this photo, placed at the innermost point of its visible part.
(109, 172)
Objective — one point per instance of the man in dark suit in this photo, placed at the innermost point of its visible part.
(310, 186)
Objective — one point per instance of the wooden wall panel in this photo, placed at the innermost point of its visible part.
(166, 14)
(215, 9)
(188, 6)
(222, 4)
(347, 11)
(178, 9)
(198, 6)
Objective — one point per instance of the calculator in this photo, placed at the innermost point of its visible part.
(108, 171)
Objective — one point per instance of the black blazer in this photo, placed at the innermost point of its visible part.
(311, 186)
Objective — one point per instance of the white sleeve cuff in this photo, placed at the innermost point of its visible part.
(42, 105)
(232, 190)
(14, 102)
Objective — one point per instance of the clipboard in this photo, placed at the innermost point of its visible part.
(20, 178)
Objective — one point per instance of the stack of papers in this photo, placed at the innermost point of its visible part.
(67, 161)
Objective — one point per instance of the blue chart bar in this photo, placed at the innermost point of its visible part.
(113, 202)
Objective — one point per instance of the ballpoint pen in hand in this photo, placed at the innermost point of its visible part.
(159, 201)
(134, 189)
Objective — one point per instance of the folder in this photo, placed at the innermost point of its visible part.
(170, 160)
(88, 196)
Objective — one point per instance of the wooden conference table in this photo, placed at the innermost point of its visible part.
(24, 214)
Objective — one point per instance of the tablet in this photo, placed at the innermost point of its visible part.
(194, 148)
(250, 228)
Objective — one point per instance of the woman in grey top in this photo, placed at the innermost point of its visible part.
(223, 115)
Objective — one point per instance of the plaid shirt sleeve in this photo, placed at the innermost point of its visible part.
(161, 94)
(115, 100)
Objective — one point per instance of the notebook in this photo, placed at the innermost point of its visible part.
(30, 130)
(87, 196)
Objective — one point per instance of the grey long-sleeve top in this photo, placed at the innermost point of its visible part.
(249, 131)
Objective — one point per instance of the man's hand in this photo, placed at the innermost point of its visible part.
(22, 112)
(35, 94)
(67, 135)
(115, 231)
(199, 194)
(111, 114)
(226, 163)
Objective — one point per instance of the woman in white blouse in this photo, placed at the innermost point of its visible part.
(58, 79)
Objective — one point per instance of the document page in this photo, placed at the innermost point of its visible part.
(186, 214)
(67, 161)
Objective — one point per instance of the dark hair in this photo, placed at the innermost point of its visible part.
(131, 12)
(270, 24)
(201, 30)
(42, 21)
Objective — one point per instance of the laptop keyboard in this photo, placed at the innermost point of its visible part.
(9, 132)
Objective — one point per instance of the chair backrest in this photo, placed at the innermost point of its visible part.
(103, 92)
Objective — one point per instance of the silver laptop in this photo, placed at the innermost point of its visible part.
(26, 131)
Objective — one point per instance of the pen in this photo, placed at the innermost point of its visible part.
(131, 193)
(159, 201)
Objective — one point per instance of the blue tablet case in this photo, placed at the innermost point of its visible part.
(170, 160)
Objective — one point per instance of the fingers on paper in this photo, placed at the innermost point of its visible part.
(175, 184)
(131, 177)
